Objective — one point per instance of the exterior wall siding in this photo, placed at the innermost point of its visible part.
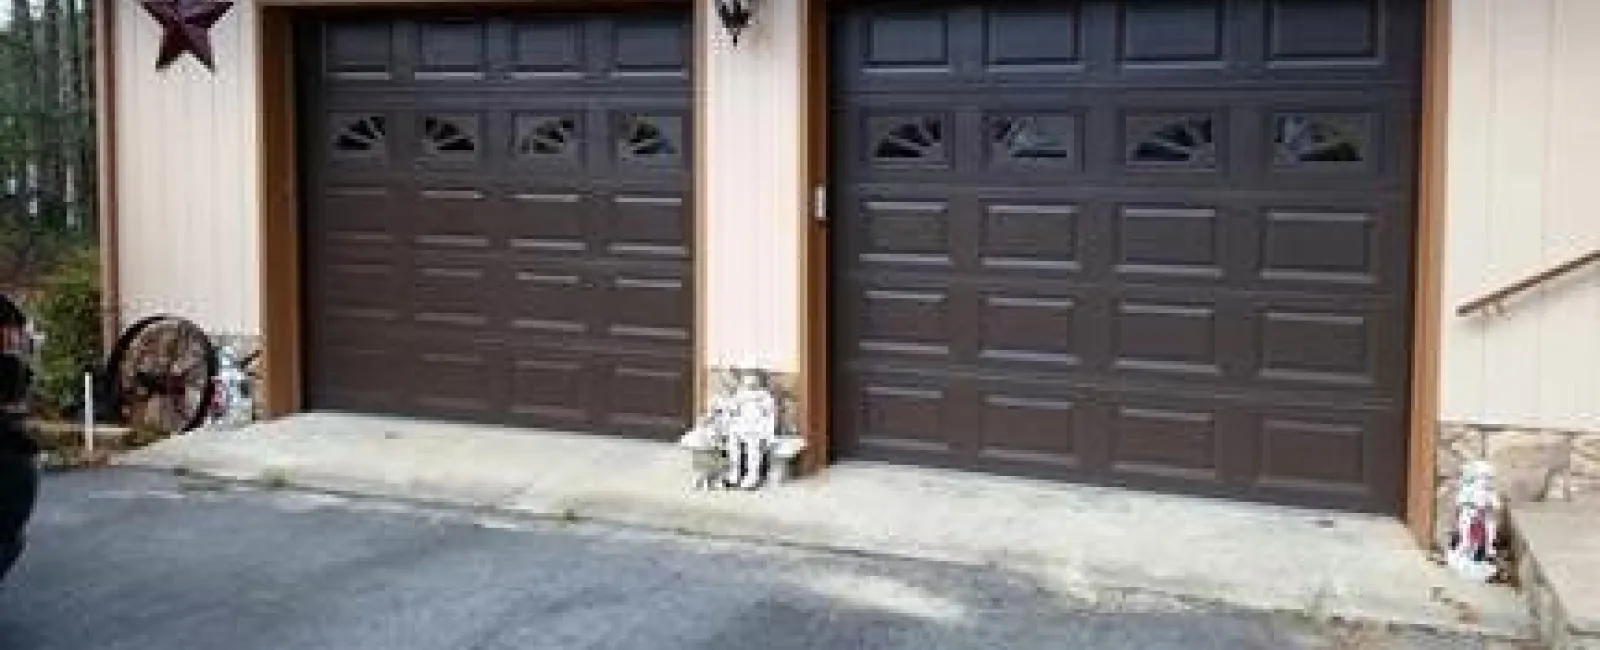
(1524, 83)
(754, 120)
(1521, 388)
(187, 176)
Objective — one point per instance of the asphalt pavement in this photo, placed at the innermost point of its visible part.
(142, 560)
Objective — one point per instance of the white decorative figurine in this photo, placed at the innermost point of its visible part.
(230, 400)
(1472, 552)
(738, 442)
(706, 443)
(752, 428)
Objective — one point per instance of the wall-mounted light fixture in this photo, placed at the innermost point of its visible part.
(735, 16)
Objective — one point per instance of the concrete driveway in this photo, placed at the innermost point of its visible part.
(137, 559)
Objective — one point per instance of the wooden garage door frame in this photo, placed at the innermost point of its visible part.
(1422, 411)
(283, 360)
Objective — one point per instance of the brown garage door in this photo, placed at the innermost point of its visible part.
(498, 224)
(1136, 242)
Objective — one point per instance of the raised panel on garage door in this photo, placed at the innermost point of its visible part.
(1162, 244)
(498, 226)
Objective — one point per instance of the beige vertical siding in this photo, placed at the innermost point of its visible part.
(753, 196)
(187, 182)
(1524, 123)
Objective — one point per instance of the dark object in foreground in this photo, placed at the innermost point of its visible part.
(19, 479)
(19, 487)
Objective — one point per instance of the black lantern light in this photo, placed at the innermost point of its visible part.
(735, 16)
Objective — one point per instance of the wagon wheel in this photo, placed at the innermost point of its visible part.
(162, 370)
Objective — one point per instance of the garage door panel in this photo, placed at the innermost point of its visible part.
(650, 225)
(903, 417)
(548, 300)
(904, 38)
(1043, 331)
(358, 49)
(1188, 33)
(457, 378)
(450, 49)
(548, 47)
(450, 216)
(1107, 238)
(1311, 33)
(1322, 450)
(1033, 237)
(1021, 426)
(650, 45)
(345, 367)
(904, 232)
(502, 200)
(649, 309)
(1170, 242)
(1167, 337)
(544, 221)
(1178, 40)
(1031, 38)
(363, 294)
(551, 388)
(1329, 249)
(358, 213)
(903, 322)
(454, 291)
(646, 395)
(1166, 438)
(1322, 348)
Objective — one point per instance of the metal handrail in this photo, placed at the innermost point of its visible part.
(1500, 295)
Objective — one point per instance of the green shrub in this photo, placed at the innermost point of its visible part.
(67, 312)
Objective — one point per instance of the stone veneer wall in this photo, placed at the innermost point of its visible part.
(1530, 465)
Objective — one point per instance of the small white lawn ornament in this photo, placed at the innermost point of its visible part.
(752, 428)
(706, 443)
(706, 456)
(1472, 552)
(231, 405)
(737, 443)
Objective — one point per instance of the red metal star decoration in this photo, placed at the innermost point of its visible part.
(184, 28)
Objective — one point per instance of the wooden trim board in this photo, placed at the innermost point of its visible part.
(1423, 427)
(281, 308)
(700, 24)
(813, 383)
(105, 118)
